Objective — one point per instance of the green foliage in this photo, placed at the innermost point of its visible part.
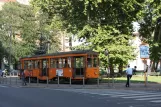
(150, 27)
(17, 19)
(101, 23)
(24, 21)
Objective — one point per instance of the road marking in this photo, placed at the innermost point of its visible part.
(142, 96)
(136, 95)
(153, 98)
(128, 95)
(156, 101)
(3, 86)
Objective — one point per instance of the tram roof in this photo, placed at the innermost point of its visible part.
(64, 53)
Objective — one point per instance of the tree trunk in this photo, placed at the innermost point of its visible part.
(111, 70)
(120, 67)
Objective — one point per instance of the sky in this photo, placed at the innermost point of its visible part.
(24, 1)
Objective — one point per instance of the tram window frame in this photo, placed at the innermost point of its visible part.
(30, 64)
(33, 64)
(69, 59)
(53, 63)
(68, 65)
(89, 62)
(79, 62)
(36, 64)
(60, 63)
(25, 64)
(95, 64)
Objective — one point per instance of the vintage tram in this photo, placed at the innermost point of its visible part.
(73, 64)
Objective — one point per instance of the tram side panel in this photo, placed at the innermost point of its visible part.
(92, 73)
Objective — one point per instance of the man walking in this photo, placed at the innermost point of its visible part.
(129, 72)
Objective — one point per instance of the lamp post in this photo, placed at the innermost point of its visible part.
(107, 54)
(10, 34)
(160, 65)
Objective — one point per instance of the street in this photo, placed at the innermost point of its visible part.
(47, 97)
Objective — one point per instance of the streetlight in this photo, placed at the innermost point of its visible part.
(107, 54)
(10, 34)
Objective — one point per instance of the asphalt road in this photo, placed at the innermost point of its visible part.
(35, 97)
(39, 97)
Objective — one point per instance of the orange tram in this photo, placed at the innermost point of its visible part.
(72, 64)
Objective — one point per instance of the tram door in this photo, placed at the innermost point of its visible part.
(79, 67)
(44, 67)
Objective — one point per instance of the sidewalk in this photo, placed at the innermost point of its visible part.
(116, 86)
(13, 82)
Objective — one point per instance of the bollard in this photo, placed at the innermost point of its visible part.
(145, 78)
(112, 81)
(10, 78)
(98, 82)
(47, 81)
(1, 80)
(29, 80)
(6, 79)
(70, 79)
(37, 81)
(83, 81)
(58, 81)
(108, 80)
(16, 80)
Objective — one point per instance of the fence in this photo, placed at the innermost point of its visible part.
(14, 80)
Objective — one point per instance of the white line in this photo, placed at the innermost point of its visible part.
(114, 93)
(128, 95)
(153, 98)
(2, 86)
(142, 96)
(156, 101)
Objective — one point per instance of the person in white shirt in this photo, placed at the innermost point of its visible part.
(129, 73)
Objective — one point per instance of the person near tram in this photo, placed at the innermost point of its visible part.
(129, 73)
(23, 78)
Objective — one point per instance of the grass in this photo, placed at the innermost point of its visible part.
(135, 79)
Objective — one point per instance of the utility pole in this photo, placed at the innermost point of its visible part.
(108, 68)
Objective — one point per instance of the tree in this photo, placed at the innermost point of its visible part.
(100, 22)
(149, 20)
(18, 20)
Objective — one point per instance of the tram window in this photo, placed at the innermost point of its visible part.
(79, 62)
(57, 63)
(60, 63)
(25, 65)
(44, 64)
(33, 64)
(37, 64)
(69, 62)
(95, 62)
(52, 63)
(66, 62)
(89, 62)
(29, 64)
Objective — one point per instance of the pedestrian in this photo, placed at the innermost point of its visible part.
(23, 77)
(129, 72)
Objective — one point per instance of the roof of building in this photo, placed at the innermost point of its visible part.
(64, 53)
